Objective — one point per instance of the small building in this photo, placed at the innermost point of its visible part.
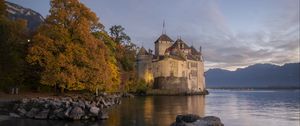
(173, 66)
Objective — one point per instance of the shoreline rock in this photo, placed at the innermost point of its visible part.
(195, 120)
(63, 108)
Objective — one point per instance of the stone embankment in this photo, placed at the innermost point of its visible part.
(195, 120)
(63, 108)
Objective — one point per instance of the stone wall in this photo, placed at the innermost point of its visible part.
(171, 83)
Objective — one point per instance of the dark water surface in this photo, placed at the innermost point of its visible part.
(235, 108)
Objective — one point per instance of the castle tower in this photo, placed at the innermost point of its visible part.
(144, 60)
(161, 44)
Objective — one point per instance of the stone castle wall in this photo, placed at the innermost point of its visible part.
(171, 83)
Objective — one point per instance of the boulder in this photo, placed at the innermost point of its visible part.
(128, 95)
(67, 112)
(24, 101)
(94, 110)
(187, 118)
(209, 121)
(81, 104)
(195, 120)
(14, 115)
(32, 112)
(76, 113)
(71, 107)
(59, 113)
(42, 115)
(22, 111)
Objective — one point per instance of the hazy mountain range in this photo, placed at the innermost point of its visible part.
(34, 19)
(256, 76)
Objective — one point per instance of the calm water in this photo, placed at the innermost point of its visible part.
(235, 108)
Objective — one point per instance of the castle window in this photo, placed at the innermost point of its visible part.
(193, 64)
(194, 73)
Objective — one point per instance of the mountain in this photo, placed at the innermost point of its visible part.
(34, 19)
(256, 76)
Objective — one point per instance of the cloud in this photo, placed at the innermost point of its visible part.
(277, 42)
(205, 23)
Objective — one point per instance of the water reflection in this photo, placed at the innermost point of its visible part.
(160, 110)
(235, 108)
(139, 111)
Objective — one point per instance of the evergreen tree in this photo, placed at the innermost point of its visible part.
(70, 55)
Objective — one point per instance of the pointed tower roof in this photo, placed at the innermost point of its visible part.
(178, 42)
(164, 37)
(143, 51)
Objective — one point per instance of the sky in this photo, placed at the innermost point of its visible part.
(233, 33)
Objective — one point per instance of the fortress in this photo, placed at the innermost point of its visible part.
(174, 66)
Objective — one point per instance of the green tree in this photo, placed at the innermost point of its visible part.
(119, 36)
(13, 34)
(126, 56)
(69, 53)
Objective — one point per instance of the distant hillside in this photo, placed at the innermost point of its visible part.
(34, 19)
(256, 76)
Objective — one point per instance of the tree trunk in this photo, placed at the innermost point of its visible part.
(62, 90)
(97, 91)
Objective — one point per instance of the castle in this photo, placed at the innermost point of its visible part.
(173, 66)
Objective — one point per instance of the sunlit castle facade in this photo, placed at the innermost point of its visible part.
(173, 66)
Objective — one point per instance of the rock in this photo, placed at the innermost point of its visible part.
(195, 120)
(102, 115)
(78, 103)
(67, 112)
(94, 110)
(42, 115)
(46, 105)
(104, 94)
(67, 104)
(103, 102)
(187, 118)
(32, 112)
(22, 111)
(85, 117)
(128, 95)
(14, 115)
(87, 104)
(209, 121)
(76, 113)
(71, 107)
(24, 101)
(60, 114)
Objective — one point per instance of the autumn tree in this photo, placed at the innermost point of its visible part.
(69, 53)
(13, 44)
(126, 56)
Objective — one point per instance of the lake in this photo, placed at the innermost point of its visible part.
(234, 107)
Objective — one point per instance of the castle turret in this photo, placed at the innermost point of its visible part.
(144, 60)
(161, 44)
